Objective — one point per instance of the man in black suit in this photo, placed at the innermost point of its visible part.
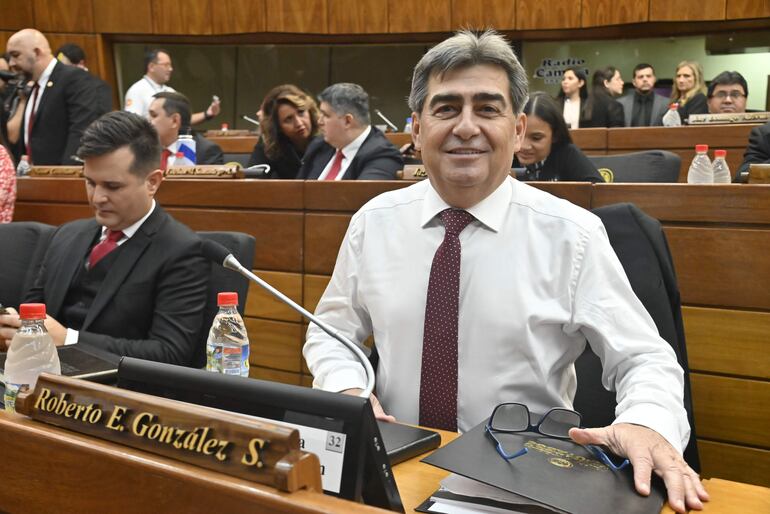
(351, 148)
(643, 107)
(758, 151)
(170, 114)
(70, 53)
(60, 105)
(132, 280)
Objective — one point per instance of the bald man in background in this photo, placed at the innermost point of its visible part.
(59, 104)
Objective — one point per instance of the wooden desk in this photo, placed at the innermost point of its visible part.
(416, 481)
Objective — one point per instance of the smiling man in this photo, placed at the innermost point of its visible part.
(131, 280)
(481, 290)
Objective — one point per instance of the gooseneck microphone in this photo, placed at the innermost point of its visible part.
(221, 255)
(386, 120)
(250, 120)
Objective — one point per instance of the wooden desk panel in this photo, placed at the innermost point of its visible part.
(232, 194)
(323, 236)
(261, 304)
(346, 195)
(733, 462)
(590, 139)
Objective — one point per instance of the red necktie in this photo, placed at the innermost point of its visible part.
(164, 158)
(336, 166)
(31, 121)
(101, 250)
(438, 376)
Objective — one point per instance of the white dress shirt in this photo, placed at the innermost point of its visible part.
(128, 232)
(538, 277)
(139, 95)
(572, 113)
(42, 83)
(349, 153)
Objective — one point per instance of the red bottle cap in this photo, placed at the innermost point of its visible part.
(227, 299)
(701, 148)
(32, 311)
(720, 153)
(225, 126)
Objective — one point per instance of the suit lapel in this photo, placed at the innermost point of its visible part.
(72, 259)
(54, 81)
(129, 255)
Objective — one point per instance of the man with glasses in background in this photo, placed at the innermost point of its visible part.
(727, 93)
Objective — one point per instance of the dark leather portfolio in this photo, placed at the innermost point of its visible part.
(403, 442)
(556, 473)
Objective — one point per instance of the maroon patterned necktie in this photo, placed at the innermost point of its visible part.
(101, 250)
(438, 376)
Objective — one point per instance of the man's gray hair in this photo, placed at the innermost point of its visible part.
(345, 98)
(463, 50)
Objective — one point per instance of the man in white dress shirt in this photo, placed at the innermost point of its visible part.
(535, 279)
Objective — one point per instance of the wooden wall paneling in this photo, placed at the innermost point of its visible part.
(191, 17)
(278, 234)
(238, 16)
(5, 35)
(323, 235)
(261, 304)
(106, 60)
(64, 16)
(721, 203)
(422, 16)
(122, 17)
(556, 14)
(665, 138)
(739, 9)
(590, 139)
(711, 332)
(733, 462)
(304, 16)
(597, 13)
(274, 344)
(313, 288)
(731, 409)
(233, 194)
(51, 213)
(707, 272)
(358, 17)
(480, 14)
(577, 193)
(685, 10)
(17, 14)
(42, 189)
(88, 42)
(274, 375)
(346, 195)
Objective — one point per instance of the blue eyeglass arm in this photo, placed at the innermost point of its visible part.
(499, 446)
(601, 455)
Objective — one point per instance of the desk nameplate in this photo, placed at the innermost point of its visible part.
(204, 171)
(56, 171)
(221, 441)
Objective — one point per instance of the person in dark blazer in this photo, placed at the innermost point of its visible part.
(60, 106)
(547, 152)
(643, 107)
(758, 151)
(132, 280)
(689, 90)
(170, 114)
(604, 110)
(351, 149)
(289, 123)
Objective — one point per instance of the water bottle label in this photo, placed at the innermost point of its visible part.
(9, 397)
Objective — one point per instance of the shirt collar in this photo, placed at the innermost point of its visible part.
(128, 232)
(353, 146)
(153, 84)
(490, 211)
(46, 73)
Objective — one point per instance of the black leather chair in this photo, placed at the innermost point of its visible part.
(641, 247)
(242, 246)
(647, 166)
(22, 247)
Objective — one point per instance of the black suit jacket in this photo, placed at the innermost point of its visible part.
(70, 103)
(757, 152)
(207, 152)
(565, 163)
(698, 104)
(605, 112)
(377, 159)
(150, 305)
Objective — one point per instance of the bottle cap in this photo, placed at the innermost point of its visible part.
(32, 311)
(674, 105)
(225, 126)
(701, 148)
(227, 299)
(720, 153)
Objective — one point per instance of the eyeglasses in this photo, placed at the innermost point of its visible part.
(734, 95)
(509, 418)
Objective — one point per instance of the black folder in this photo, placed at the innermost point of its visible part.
(402, 442)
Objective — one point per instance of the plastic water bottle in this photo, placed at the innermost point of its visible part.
(185, 151)
(227, 348)
(701, 171)
(31, 352)
(408, 126)
(721, 170)
(672, 118)
(23, 167)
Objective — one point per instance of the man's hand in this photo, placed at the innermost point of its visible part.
(379, 413)
(648, 451)
(9, 324)
(213, 109)
(56, 330)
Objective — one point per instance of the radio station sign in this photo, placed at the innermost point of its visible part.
(551, 69)
(221, 441)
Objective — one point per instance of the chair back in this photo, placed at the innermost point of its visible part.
(647, 166)
(24, 244)
(242, 246)
(642, 248)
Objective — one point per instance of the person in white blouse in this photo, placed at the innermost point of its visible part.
(537, 280)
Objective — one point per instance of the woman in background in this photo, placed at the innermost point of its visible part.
(689, 89)
(605, 111)
(547, 151)
(610, 78)
(573, 97)
(289, 122)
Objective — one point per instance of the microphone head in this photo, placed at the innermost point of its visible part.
(214, 251)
